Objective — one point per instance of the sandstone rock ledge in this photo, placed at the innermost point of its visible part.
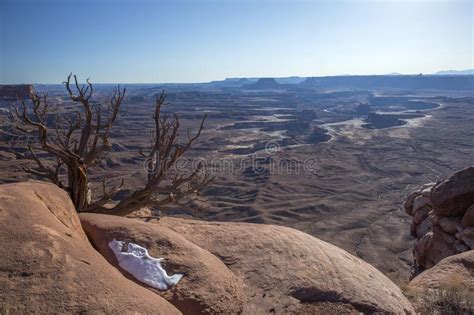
(48, 266)
(264, 268)
(208, 286)
(447, 288)
(459, 268)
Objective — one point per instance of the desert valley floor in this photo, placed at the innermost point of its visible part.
(335, 164)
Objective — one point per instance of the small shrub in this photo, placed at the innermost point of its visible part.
(450, 297)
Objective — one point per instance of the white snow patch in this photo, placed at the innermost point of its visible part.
(142, 266)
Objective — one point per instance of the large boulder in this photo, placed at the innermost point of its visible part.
(48, 265)
(207, 287)
(453, 196)
(454, 274)
(288, 271)
(459, 266)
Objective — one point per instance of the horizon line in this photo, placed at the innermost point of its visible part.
(262, 77)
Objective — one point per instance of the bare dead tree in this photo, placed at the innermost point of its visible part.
(78, 140)
(165, 184)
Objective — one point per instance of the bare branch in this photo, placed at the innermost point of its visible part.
(165, 150)
(45, 171)
(107, 195)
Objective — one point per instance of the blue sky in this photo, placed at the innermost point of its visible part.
(195, 41)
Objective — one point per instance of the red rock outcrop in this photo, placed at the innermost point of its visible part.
(288, 271)
(443, 218)
(459, 267)
(447, 288)
(208, 286)
(265, 268)
(48, 265)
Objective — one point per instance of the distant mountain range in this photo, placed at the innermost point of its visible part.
(443, 80)
(297, 79)
(455, 72)
(443, 72)
(409, 82)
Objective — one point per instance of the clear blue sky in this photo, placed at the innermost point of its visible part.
(195, 41)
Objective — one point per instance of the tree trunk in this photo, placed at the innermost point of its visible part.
(79, 186)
